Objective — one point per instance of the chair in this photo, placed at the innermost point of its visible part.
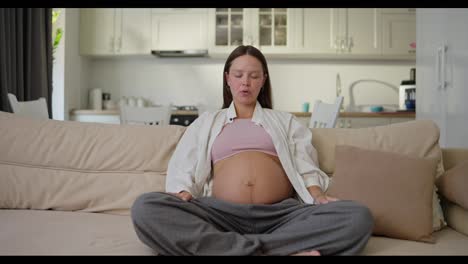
(35, 108)
(155, 115)
(325, 115)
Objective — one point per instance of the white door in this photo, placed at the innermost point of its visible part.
(441, 76)
(456, 70)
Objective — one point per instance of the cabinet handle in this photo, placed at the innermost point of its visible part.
(350, 44)
(439, 52)
(443, 64)
(111, 44)
(119, 44)
(341, 123)
(348, 125)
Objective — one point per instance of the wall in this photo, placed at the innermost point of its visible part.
(58, 82)
(189, 81)
(75, 66)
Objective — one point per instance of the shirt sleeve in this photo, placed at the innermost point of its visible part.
(305, 156)
(182, 165)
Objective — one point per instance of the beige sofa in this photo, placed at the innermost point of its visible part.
(66, 187)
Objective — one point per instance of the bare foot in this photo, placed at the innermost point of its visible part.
(307, 253)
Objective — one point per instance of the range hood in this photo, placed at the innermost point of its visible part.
(180, 53)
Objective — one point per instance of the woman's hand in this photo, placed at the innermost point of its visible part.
(319, 196)
(324, 199)
(184, 195)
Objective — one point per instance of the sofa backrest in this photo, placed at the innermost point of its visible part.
(65, 165)
(418, 138)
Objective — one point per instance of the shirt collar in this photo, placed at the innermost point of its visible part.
(257, 116)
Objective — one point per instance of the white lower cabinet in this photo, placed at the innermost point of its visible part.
(360, 122)
(93, 118)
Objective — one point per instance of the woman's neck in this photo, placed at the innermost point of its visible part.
(244, 111)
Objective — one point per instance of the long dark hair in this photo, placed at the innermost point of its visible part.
(264, 97)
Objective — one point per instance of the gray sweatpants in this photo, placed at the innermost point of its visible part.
(209, 226)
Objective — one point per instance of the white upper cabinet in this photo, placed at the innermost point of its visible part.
(179, 29)
(317, 31)
(228, 28)
(341, 31)
(272, 30)
(97, 31)
(399, 31)
(113, 31)
(355, 31)
(135, 31)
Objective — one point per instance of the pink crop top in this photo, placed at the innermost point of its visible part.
(241, 135)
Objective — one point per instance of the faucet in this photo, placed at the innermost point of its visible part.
(352, 107)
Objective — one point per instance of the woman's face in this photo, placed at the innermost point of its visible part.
(245, 79)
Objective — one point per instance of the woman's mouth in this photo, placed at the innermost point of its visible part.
(245, 93)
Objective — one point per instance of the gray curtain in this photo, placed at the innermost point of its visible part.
(25, 55)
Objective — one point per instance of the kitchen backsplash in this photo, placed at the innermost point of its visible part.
(199, 80)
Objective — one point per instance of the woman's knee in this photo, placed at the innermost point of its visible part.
(362, 221)
(145, 203)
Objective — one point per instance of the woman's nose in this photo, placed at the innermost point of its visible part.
(246, 80)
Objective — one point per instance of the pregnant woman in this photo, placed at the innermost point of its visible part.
(244, 180)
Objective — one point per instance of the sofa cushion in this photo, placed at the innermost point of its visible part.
(419, 138)
(449, 242)
(39, 232)
(453, 184)
(457, 217)
(91, 167)
(396, 188)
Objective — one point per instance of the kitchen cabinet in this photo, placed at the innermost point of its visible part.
(115, 31)
(442, 66)
(399, 31)
(355, 30)
(179, 29)
(272, 30)
(358, 33)
(95, 116)
(341, 31)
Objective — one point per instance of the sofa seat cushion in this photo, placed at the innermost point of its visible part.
(47, 232)
(448, 242)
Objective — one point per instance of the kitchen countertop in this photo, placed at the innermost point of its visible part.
(117, 112)
(298, 114)
(365, 114)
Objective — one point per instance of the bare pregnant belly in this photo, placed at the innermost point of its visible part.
(251, 177)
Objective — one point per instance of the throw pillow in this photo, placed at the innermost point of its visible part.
(396, 188)
(418, 138)
(452, 185)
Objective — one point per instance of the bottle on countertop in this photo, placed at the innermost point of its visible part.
(95, 99)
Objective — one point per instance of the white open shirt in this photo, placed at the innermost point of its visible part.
(190, 168)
